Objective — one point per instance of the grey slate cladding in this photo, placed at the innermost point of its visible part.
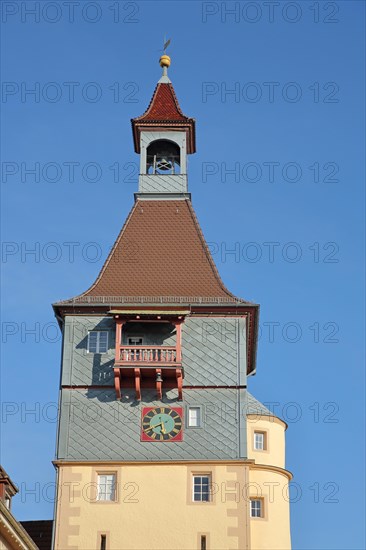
(163, 184)
(95, 426)
(253, 406)
(213, 350)
(79, 366)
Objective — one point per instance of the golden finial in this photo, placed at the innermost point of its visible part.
(164, 61)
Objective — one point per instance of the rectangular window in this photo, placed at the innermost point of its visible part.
(194, 417)
(106, 487)
(256, 508)
(203, 542)
(98, 341)
(259, 441)
(103, 542)
(135, 341)
(201, 488)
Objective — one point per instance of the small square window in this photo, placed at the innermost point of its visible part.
(194, 417)
(98, 341)
(106, 487)
(260, 441)
(202, 488)
(135, 341)
(256, 508)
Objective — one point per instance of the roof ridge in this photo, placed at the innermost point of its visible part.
(207, 251)
(109, 257)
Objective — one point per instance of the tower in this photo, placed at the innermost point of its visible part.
(159, 444)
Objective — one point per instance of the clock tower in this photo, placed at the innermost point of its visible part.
(160, 445)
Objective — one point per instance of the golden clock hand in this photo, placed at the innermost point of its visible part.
(163, 430)
(151, 427)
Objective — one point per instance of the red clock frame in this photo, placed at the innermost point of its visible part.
(146, 410)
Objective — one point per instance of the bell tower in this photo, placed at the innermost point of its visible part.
(160, 445)
(163, 136)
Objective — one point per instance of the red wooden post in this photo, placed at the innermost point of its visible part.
(178, 373)
(117, 382)
(119, 325)
(159, 385)
(178, 326)
(138, 384)
(117, 356)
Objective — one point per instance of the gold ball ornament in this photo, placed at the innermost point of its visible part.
(164, 61)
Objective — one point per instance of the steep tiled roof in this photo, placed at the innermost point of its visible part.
(253, 406)
(163, 105)
(160, 251)
(164, 112)
(40, 532)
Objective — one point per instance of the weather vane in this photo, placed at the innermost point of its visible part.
(166, 44)
(165, 60)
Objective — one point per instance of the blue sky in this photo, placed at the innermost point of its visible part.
(292, 129)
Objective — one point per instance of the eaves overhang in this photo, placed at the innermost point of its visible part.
(198, 306)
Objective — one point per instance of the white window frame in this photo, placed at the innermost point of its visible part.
(199, 417)
(137, 337)
(103, 494)
(264, 440)
(254, 509)
(98, 332)
(8, 501)
(201, 494)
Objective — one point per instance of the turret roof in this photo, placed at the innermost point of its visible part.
(164, 112)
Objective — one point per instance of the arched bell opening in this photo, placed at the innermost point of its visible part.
(163, 157)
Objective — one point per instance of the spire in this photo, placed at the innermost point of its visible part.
(165, 63)
(164, 110)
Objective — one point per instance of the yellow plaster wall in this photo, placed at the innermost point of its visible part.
(154, 509)
(267, 482)
(272, 532)
(274, 428)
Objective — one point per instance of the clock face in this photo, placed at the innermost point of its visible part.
(162, 424)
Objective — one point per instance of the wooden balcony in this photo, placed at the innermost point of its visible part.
(148, 366)
(156, 356)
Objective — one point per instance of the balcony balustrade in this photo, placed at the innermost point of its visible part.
(154, 355)
(148, 365)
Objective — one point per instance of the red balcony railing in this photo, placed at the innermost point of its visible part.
(157, 365)
(154, 355)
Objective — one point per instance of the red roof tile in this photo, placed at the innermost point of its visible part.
(164, 112)
(160, 252)
(40, 532)
(163, 105)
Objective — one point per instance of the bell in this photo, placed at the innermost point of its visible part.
(164, 163)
